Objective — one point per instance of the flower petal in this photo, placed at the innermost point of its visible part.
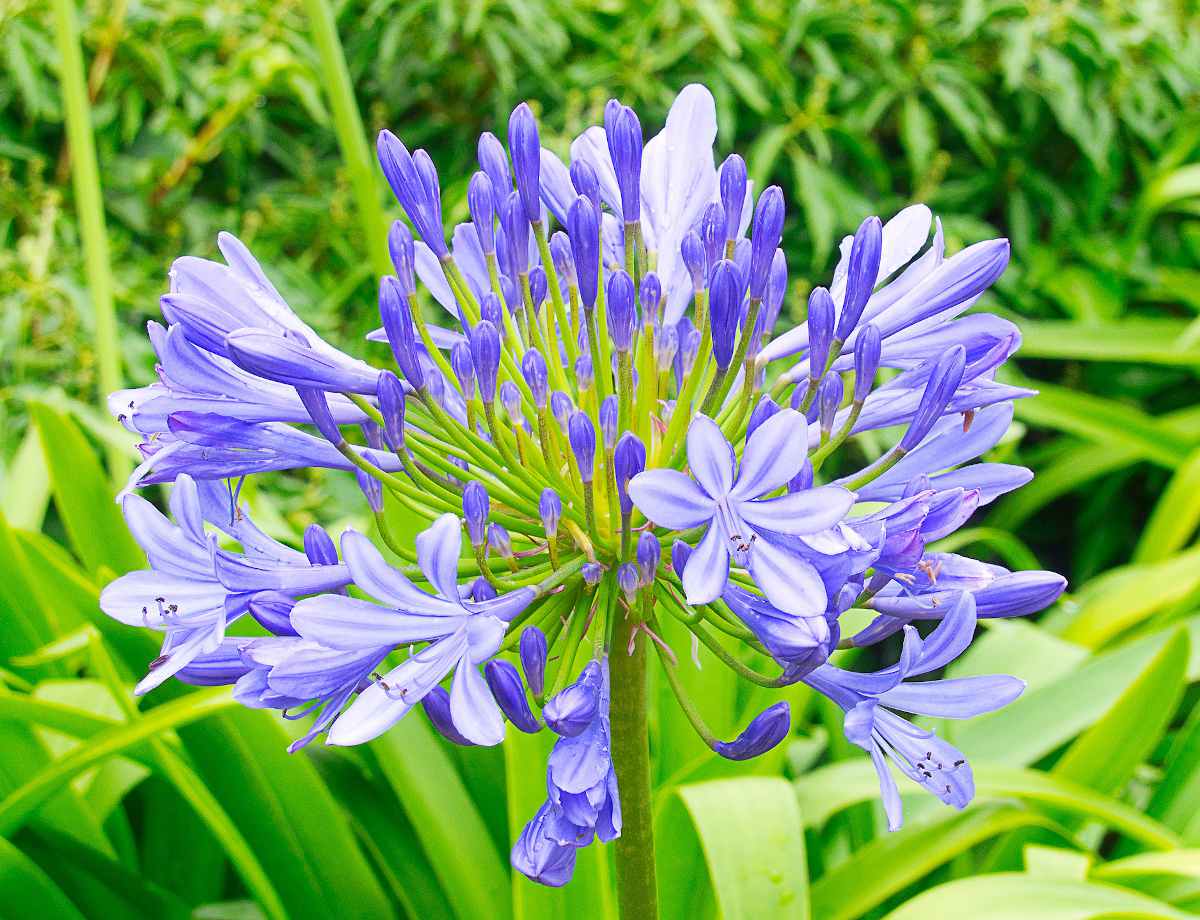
(790, 583)
(798, 513)
(473, 708)
(957, 698)
(133, 598)
(371, 573)
(377, 709)
(339, 622)
(670, 499)
(438, 549)
(774, 454)
(707, 569)
(710, 456)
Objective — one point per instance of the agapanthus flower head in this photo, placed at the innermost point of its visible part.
(702, 427)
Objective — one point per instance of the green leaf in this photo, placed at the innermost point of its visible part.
(451, 830)
(1124, 597)
(752, 837)
(1104, 421)
(1143, 340)
(897, 860)
(1105, 756)
(24, 885)
(286, 813)
(83, 496)
(1176, 800)
(1041, 720)
(1175, 516)
(834, 788)
(26, 485)
(1172, 862)
(1017, 896)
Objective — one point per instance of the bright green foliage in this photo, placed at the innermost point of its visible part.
(1070, 128)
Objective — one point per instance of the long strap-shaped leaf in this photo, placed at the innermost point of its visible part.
(832, 789)
(17, 808)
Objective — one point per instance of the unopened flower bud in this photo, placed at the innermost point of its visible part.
(943, 382)
(499, 541)
(763, 410)
(318, 410)
(561, 408)
(485, 354)
(538, 287)
(390, 393)
(494, 162)
(695, 259)
(609, 412)
(725, 301)
(526, 150)
(649, 552)
(583, 178)
(624, 133)
(463, 367)
(733, 193)
(649, 296)
(820, 330)
(480, 200)
(622, 311)
(533, 651)
(436, 704)
(592, 572)
(318, 546)
(629, 581)
(510, 399)
(400, 248)
(629, 459)
(476, 507)
(861, 274)
(536, 374)
(550, 511)
(712, 233)
(582, 436)
(584, 376)
(563, 258)
(828, 401)
(573, 708)
(583, 223)
(504, 681)
(666, 343)
(398, 325)
(867, 348)
(516, 234)
(768, 230)
(767, 729)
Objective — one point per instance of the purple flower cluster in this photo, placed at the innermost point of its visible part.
(608, 383)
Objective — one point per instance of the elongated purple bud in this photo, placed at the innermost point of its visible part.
(436, 704)
(584, 374)
(561, 408)
(609, 412)
(649, 554)
(391, 406)
(516, 233)
(400, 248)
(476, 507)
(583, 178)
(537, 375)
(766, 730)
(492, 310)
(504, 681)
(582, 436)
(583, 224)
(776, 290)
(1019, 594)
(725, 301)
(499, 541)
(573, 708)
(398, 326)
(550, 511)
(802, 480)
(768, 230)
(629, 459)
(820, 330)
(510, 399)
(526, 150)
(861, 274)
(494, 162)
(481, 199)
(414, 183)
(695, 259)
(939, 390)
(482, 590)
(485, 352)
(622, 312)
(318, 410)
(538, 287)
(763, 410)
(629, 580)
(318, 546)
(371, 489)
(464, 368)
(712, 232)
(533, 658)
(666, 343)
(564, 260)
(829, 400)
(649, 296)
(680, 553)
(592, 572)
(867, 348)
(733, 193)
(273, 611)
(624, 133)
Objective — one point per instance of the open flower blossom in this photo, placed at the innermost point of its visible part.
(602, 428)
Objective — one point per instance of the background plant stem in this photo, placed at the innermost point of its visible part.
(348, 125)
(89, 206)
(637, 891)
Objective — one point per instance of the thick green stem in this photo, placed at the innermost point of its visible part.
(637, 892)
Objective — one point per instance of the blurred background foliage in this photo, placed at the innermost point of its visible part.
(1070, 127)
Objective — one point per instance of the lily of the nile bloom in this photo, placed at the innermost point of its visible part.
(462, 635)
(193, 589)
(609, 385)
(742, 526)
(869, 701)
